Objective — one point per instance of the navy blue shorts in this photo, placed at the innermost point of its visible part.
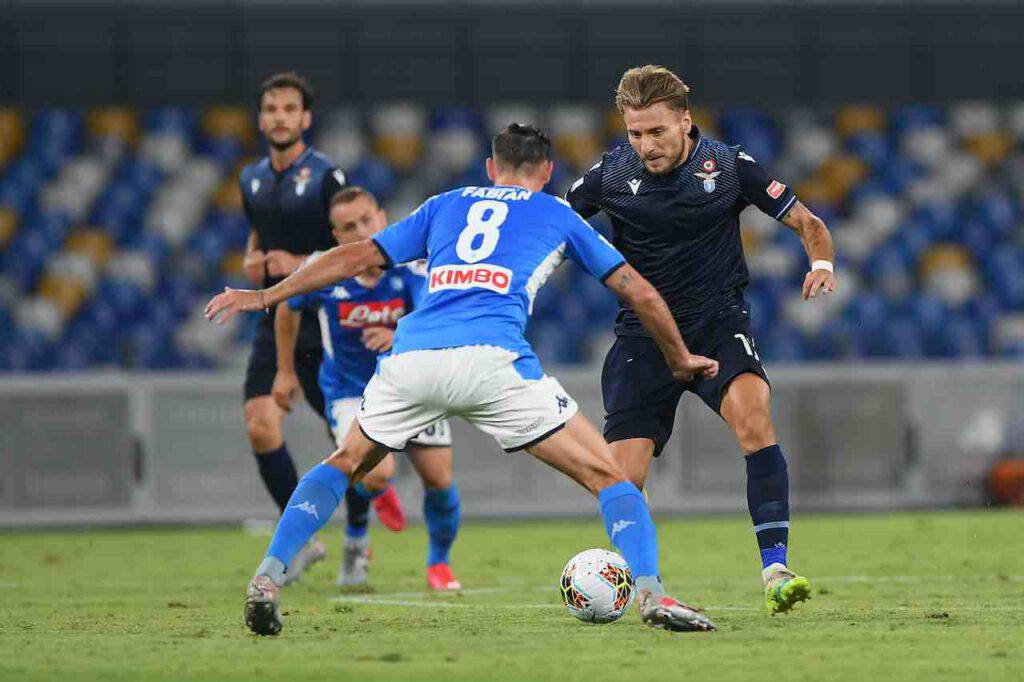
(640, 395)
(259, 375)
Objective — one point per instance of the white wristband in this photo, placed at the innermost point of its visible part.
(822, 265)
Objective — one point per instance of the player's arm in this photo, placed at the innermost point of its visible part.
(286, 336)
(653, 312)
(777, 200)
(341, 262)
(818, 244)
(254, 264)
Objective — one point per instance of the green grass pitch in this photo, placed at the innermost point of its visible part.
(910, 596)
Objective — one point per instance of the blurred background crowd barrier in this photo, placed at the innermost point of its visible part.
(163, 448)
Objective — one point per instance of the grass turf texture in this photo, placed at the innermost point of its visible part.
(937, 596)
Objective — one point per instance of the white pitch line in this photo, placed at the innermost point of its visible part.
(8, 586)
(370, 601)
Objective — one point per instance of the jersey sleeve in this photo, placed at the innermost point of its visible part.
(406, 240)
(590, 249)
(334, 181)
(585, 194)
(769, 195)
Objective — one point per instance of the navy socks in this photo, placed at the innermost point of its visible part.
(768, 502)
(278, 473)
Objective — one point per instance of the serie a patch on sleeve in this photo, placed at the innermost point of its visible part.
(775, 189)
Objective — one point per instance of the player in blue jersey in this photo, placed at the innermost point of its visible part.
(285, 196)
(462, 353)
(674, 198)
(357, 320)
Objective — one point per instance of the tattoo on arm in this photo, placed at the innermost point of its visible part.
(623, 280)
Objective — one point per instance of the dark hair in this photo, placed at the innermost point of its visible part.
(518, 145)
(288, 79)
(350, 194)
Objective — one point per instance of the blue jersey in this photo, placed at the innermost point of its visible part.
(345, 310)
(488, 251)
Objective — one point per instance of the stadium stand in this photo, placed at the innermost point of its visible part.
(116, 224)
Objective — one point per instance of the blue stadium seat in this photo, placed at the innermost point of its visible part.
(376, 176)
(873, 148)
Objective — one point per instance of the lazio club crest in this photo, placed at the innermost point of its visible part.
(302, 179)
(708, 176)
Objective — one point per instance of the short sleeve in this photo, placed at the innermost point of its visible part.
(406, 240)
(334, 181)
(585, 194)
(590, 249)
(770, 195)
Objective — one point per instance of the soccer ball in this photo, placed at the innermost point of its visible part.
(596, 586)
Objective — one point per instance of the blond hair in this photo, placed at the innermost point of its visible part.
(645, 86)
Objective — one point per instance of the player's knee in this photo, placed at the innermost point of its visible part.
(264, 432)
(754, 430)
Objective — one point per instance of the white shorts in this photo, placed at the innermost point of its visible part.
(341, 412)
(412, 390)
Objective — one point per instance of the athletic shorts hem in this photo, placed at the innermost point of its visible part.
(538, 439)
(376, 442)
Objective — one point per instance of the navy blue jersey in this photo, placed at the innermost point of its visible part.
(488, 251)
(288, 211)
(681, 230)
(345, 310)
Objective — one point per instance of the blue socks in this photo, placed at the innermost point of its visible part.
(311, 505)
(768, 502)
(630, 528)
(278, 473)
(441, 511)
(358, 499)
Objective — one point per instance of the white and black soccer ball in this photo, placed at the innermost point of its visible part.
(596, 586)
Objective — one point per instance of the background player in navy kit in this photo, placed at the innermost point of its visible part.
(285, 197)
(674, 199)
(358, 318)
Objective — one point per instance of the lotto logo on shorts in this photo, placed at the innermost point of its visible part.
(371, 314)
(775, 189)
(493, 277)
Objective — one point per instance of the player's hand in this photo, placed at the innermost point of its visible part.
(694, 365)
(378, 339)
(281, 263)
(232, 302)
(818, 280)
(285, 385)
(253, 266)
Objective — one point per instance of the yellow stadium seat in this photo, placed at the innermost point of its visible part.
(613, 126)
(840, 173)
(228, 197)
(92, 243)
(231, 266)
(945, 257)
(857, 118)
(116, 122)
(66, 293)
(401, 151)
(705, 120)
(12, 134)
(813, 191)
(581, 150)
(991, 148)
(8, 225)
(237, 123)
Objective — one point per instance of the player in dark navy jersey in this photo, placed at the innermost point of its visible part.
(286, 197)
(674, 198)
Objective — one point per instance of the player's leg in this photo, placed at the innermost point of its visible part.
(742, 396)
(341, 414)
(431, 456)
(310, 507)
(580, 452)
(640, 399)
